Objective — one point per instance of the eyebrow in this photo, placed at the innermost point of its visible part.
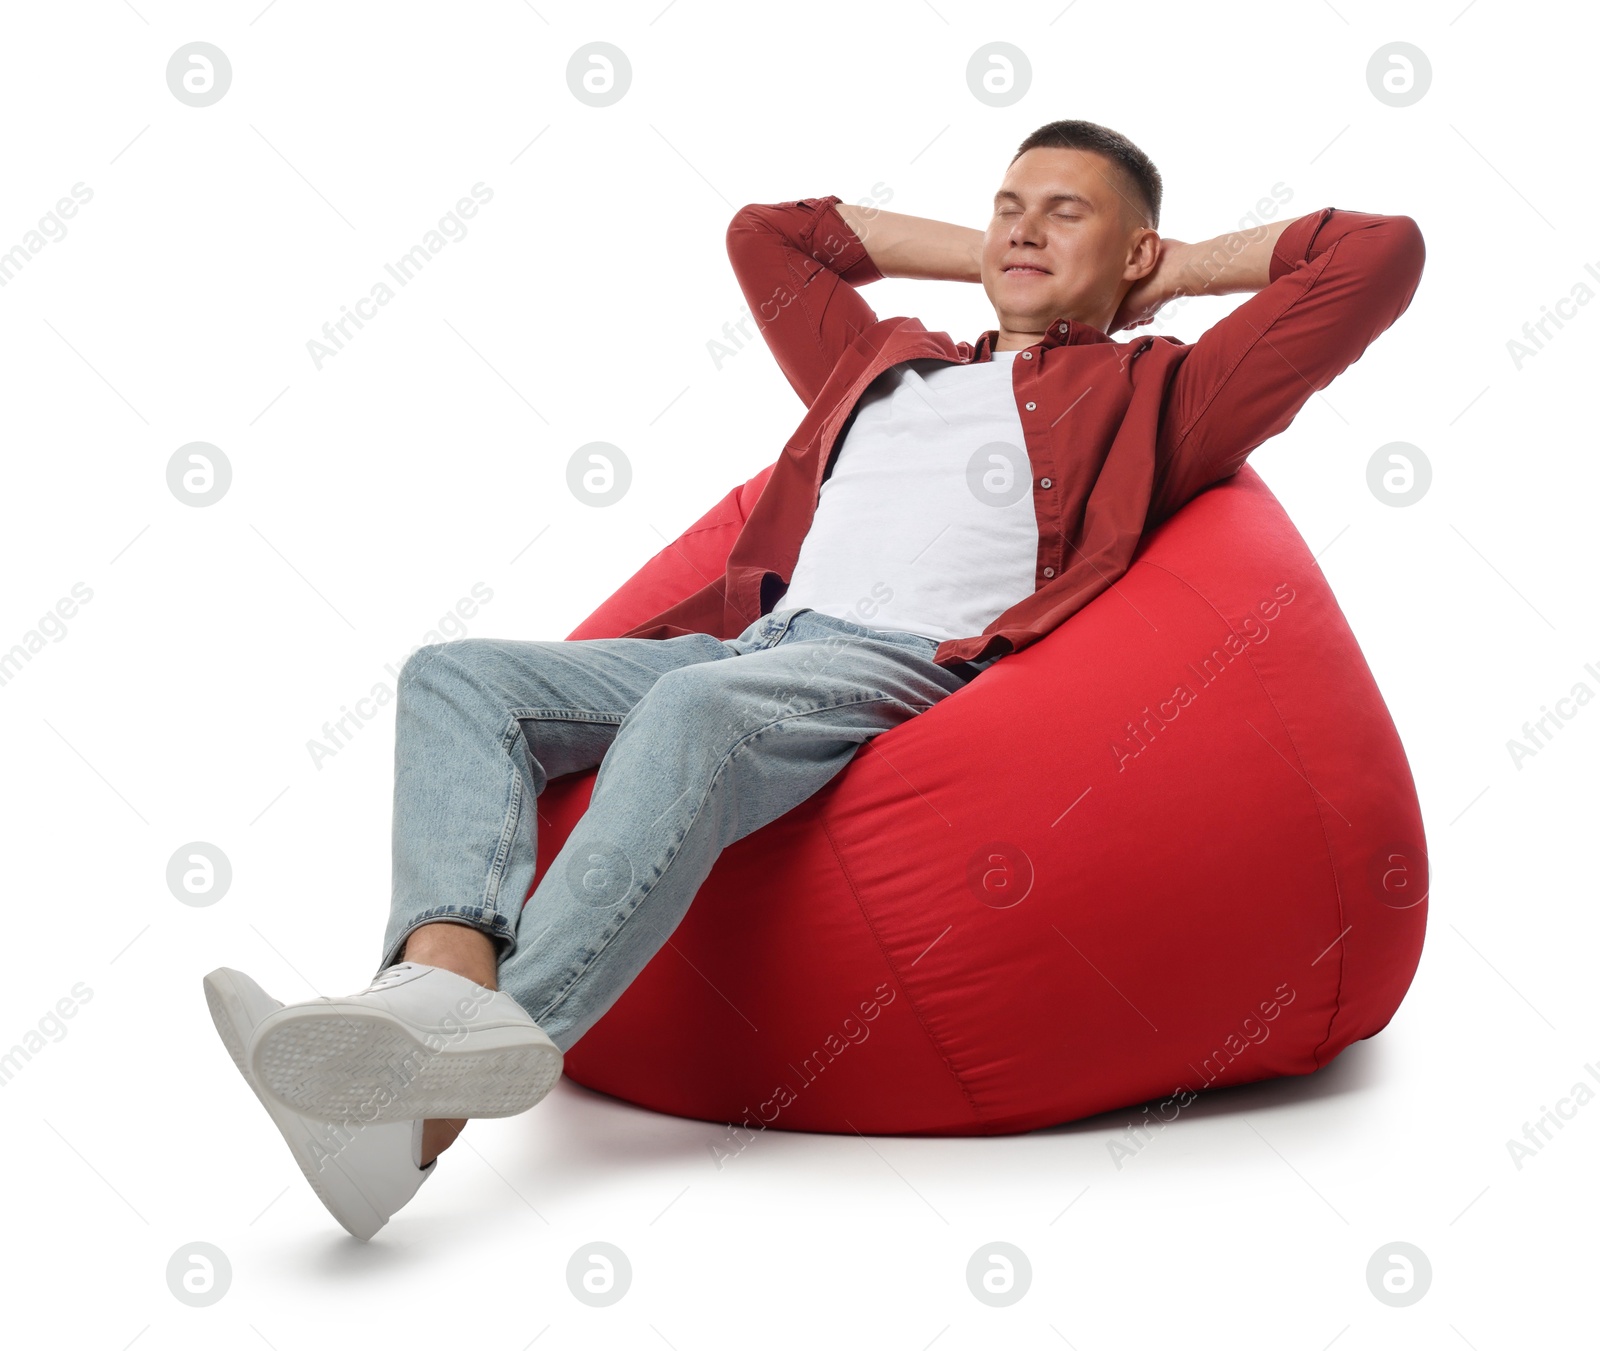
(1075, 197)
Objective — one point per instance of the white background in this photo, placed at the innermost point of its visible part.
(430, 454)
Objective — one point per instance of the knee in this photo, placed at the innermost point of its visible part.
(428, 663)
(418, 664)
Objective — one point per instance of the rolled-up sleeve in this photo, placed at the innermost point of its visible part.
(1336, 280)
(799, 266)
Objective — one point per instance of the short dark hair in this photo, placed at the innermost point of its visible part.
(1141, 175)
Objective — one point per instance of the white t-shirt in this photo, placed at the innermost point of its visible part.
(926, 522)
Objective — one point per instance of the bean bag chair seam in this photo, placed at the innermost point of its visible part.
(911, 998)
(1322, 824)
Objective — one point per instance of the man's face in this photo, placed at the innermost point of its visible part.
(1061, 241)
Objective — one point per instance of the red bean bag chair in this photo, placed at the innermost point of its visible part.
(1173, 845)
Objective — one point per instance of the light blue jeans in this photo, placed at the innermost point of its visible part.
(699, 742)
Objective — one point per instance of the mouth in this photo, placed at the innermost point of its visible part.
(1024, 270)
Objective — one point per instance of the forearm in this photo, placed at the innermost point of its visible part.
(914, 246)
(1237, 261)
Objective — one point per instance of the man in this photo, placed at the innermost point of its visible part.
(941, 506)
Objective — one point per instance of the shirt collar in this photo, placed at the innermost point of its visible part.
(1062, 330)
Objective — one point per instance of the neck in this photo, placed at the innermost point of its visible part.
(1013, 338)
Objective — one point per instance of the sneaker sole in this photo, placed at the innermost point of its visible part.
(360, 1064)
(230, 1011)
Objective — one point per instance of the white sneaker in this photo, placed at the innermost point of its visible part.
(419, 1042)
(362, 1173)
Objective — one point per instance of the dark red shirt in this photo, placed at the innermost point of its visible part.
(1120, 434)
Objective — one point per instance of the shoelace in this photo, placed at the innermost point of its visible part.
(390, 975)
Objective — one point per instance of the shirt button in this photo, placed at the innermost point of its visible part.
(1044, 483)
(1049, 572)
(1061, 328)
(1031, 406)
(1027, 356)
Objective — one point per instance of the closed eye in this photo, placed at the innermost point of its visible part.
(1057, 215)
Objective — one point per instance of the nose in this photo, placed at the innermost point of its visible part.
(1027, 228)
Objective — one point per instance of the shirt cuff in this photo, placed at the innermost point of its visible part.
(836, 244)
(1294, 244)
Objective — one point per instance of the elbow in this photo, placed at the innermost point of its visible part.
(745, 219)
(1398, 262)
(747, 237)
(1388, 260)
(1406, 243)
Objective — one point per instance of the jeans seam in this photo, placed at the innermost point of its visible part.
(508, 832)
(513, 815)
(564, 715)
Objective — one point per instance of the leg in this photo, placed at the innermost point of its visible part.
(481, 726)
(468, 952)
(709, 755)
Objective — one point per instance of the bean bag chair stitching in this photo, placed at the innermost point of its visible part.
(904, 985)
(1317, 801)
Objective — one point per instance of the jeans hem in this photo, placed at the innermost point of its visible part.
(482, 918)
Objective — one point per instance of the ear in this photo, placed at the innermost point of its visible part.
(1144, 252)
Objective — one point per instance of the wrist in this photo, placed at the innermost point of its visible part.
(1240, 260)
(1190, 271)
(974, 257)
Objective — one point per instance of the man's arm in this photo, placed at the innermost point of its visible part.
(1330, 283)
(914, 246)
(1226, 265)
(799, 266)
